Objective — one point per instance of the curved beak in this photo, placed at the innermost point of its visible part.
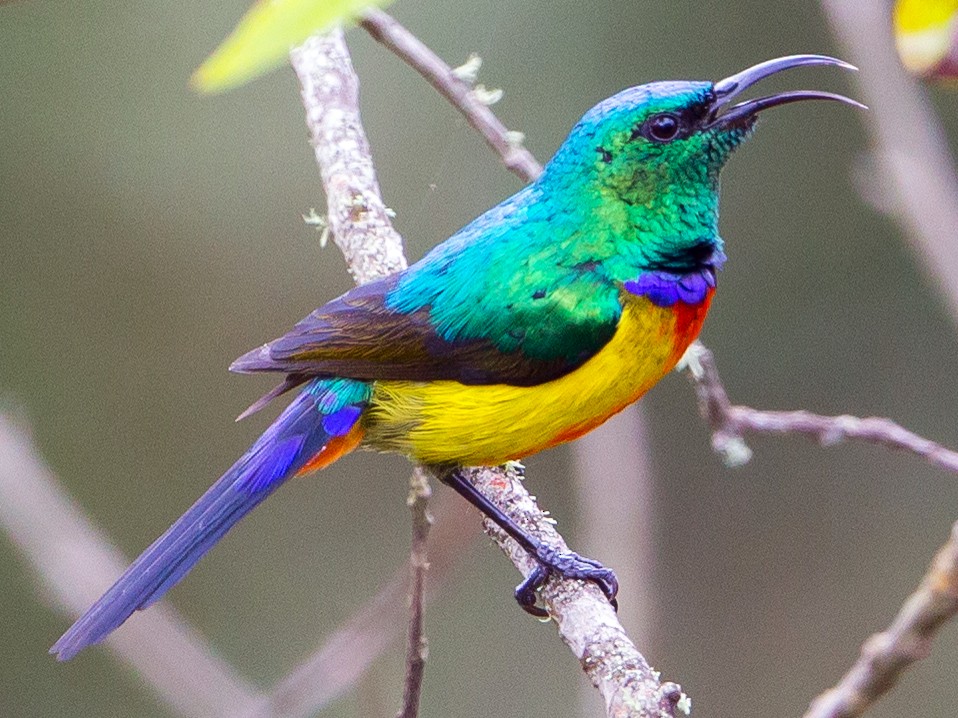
(723, 114)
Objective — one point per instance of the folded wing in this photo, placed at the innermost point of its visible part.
(366, 334)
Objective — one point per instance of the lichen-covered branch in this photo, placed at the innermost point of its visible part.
(358, 218)
(586, 621)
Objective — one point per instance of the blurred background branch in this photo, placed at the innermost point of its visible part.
(76, 563)
(910, 173)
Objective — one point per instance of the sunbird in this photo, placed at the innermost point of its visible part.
(526, 329)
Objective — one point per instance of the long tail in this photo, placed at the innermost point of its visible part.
(318, 427)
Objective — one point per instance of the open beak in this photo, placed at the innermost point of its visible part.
(743, 114)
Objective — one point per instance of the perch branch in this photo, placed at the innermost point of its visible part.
(586, 621)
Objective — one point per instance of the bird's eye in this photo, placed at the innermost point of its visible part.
(663, 128)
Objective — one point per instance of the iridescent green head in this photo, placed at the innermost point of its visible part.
(645, 142)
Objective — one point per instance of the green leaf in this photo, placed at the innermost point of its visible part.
(265, 35)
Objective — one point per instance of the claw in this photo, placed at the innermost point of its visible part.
(527, 592)
(567, 564)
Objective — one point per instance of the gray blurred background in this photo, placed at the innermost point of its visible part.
(150, 235)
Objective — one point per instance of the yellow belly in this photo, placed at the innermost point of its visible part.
(445, 422)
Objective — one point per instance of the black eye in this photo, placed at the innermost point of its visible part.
(663, 128)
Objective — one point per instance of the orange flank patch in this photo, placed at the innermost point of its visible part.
(337, 447)
(578, 430)
(688, 322)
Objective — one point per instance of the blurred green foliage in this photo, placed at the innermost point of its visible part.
(150, 235)
(261, 40)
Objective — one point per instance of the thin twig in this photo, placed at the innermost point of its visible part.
(418, 502)
(460, 93)
(731, 423)
(886, 655)
(76, 562)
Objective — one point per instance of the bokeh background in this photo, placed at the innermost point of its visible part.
(149, 235)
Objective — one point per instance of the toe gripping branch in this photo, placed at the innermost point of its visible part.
(566, 564)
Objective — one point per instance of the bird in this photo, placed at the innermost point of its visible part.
(529, 327)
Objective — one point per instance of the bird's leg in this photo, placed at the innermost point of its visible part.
(567, 564)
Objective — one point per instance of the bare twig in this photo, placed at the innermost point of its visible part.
(914, 172)
(418, 501)
(76, 563)
(460, 93)
(886, 655)
(730, 423)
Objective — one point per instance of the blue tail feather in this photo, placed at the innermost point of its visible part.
(285, 447)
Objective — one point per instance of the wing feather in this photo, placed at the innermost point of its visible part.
(361, 336)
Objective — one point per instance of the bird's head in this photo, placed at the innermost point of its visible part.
(668, 140)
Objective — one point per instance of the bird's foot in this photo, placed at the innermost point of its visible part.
(566, 564)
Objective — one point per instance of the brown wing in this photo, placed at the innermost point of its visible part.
(357, 336)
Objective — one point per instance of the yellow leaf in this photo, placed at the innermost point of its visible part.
(265, 35)
(926, 33)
